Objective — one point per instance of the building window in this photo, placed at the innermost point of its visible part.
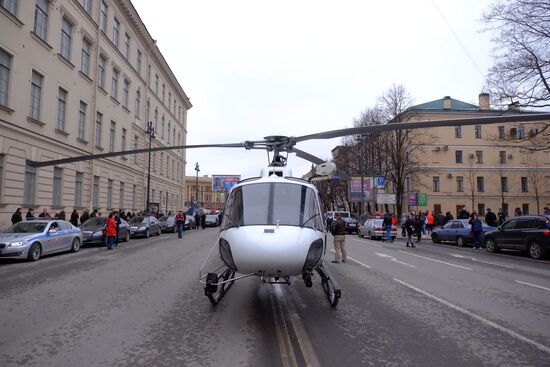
(458, 132)
(521, 132)
(114, 84)
(85, 60)
(82, 120)
(95, 193)
(162, 128)
(170, 101)
(161, 162)
(57, 172)
(61, 109)
(103, 14)
(148, 111)
(525, 209)
(480, 209)
(29, 185)
(121, 196)
(156, 84)
(458, 156)
(98, 128)
(481, 184)
(87, 5)
(78, 189)
(66, 32)
(504, 184)
(41, 18)
(101, 72)
(116, 32)
(137, 104)
(126, 46)
(168, 137)
(36, 95)
(1, 173)
(136, 143)
(163, 93)
(112, 137)
(123, 140)
(478, 131)
(138, 64)
(125, 93)
(109, 194)
(460, 184)
(479, 156)
(10, 6)
(5, 65)
(501, 133)
(436, 183)
(134, 193)
(524, 184)
(156, 119)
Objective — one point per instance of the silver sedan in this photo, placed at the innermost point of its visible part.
(32, 239)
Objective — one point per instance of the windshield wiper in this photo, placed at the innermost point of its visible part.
(310, 218)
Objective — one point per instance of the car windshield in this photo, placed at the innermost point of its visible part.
(272, 204)
(27, 227)
(94, 222)
(164, 218)
(138, 220)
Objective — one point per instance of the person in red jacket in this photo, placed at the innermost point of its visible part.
(110, 231)
(180, 223)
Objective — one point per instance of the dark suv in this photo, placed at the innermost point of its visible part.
(528, 233)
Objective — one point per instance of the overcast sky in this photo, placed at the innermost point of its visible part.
(255, 68)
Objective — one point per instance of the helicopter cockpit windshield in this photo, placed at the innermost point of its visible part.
(282, 204)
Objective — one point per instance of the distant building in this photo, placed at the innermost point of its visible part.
(85, 77)
(203, 193)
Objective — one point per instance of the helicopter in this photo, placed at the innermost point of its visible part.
(272, 226)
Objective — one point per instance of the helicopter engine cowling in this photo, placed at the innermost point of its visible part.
(274, 251)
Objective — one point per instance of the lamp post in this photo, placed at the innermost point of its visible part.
(151, 132)
(197, 183)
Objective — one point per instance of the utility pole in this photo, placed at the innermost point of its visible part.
(197, 183)
(151, 132)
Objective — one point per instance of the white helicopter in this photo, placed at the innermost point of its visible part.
(272, 225)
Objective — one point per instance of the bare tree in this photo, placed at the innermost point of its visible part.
(536, 178)
(473, 167)
(501, 182)
(522, 65)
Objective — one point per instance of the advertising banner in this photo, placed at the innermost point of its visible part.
(412, 198)
(355, 189)
(224, 183)
(385, 198)
(422, 199)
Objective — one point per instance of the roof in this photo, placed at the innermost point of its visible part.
(438, 104)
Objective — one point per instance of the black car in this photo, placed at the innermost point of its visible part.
(144, 226)
(352, 226)
(527, 233)
(93, 230)
(168, 224)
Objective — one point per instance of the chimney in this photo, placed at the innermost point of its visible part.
(514, 106)
(447, 102)
(484, 102)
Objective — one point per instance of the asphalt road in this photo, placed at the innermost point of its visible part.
(142, 305)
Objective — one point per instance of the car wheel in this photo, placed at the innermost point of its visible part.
(460, 241)
(535, 250)
(75, 245)
(147, 233)
(435, 238)
(490, 245)
(34, 252)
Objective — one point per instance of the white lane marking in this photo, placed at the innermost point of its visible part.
(437, 261)
(487, 322)
(393, 259)
(532, 285)
(357, 261)
(288, 358)
(483, 261)
(368, 243)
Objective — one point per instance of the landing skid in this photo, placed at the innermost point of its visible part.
(217, 286)
(330, 286)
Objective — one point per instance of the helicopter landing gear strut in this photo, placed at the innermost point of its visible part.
(330, 286)
(217, 286)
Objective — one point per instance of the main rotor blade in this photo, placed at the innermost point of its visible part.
(130, 152)
(306, 156)
(423, 125)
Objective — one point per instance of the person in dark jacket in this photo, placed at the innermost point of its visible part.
(338, 230)
(491, 218)
(85, 216)
(418, 224)
(409, 228)
(16, 217)
(197, 220)
(501, 216)
(203, 221)
(74, 218)
(448, 217)
(477, 229)
(30, 214)
(118, 222)
(61, 215)
(387, 224)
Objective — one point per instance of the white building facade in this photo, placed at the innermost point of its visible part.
(82, 77)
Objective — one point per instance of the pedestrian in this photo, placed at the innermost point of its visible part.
(203, 221)
(439, 220)
(74, 218)
(409, 228)
(403, 229)
(448, 217)
(429, 222)
(386, 223)
(422, 219)
(418, 226)
(118, 222)
(546, 211)
(197, 220)
(44, 214)
(30, 214)
(180, 223)
(16, 217)
(517, 212)
(501, 216)
(338, 230)
(477, 229)
(61, 215)
(93, 214)
(491, 218)
(110, 231)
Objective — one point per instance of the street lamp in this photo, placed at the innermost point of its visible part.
(151, 132)
(197, 183)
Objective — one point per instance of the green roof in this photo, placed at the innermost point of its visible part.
(438, 104)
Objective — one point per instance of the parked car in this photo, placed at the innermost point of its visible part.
(212, 220)
(144, 226)
(352, 226)
(93, 230)
(32, 239)
(190, 222)
(527, 233)
(168, 224)
(458, 231)
(330, 215)
(373, 228)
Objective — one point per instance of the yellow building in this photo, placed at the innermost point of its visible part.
(199, 189)
(85, 77)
